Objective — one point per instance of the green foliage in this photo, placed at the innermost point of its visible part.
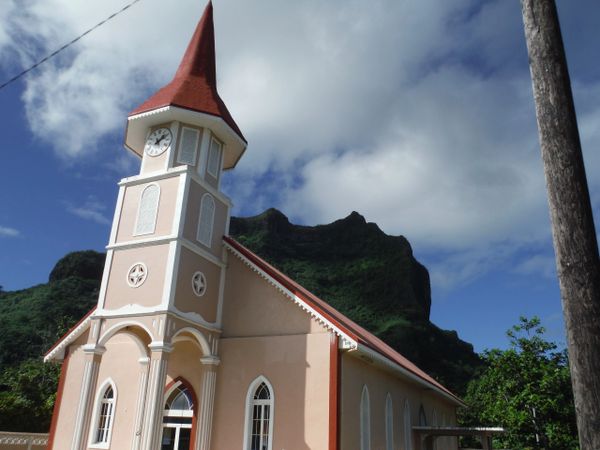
(370, 277)
(27, 394)
(527, 390)
(32, 320)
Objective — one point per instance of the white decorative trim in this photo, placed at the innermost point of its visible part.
(365, 419)
(389, 422)
(117, 217)
(171, 272)
(138, 310)
(105, 277)
(94, 349)
(388, 364)
(183, 192)
(142, 277)
(95, 418)
(202, 252)
(248, 407)
(350, 343)
(210, 360)
(142, 242)
(149, 113)
(139, 210)
(58, 352)
(222, 287)
(152, 176)
(198, 284)
(29, 439)
(160, 346)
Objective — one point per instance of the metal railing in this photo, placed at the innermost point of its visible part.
(30, 441)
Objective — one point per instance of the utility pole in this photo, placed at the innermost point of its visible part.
(573, 231)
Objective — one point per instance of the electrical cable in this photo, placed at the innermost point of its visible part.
(53, 54)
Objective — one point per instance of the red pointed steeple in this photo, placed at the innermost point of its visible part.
(194, 85)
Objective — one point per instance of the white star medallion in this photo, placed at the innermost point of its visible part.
(136, 275)
(199, 284)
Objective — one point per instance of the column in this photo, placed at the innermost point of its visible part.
(141, 402)
(152, 425)
(88, 384)
(207, 401)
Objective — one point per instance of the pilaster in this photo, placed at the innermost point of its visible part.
(141, 402)
(209, 380)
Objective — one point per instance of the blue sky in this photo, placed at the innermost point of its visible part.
(418, 115)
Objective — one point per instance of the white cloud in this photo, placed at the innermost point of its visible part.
(9, 232)
(419, 115)
(90, 210)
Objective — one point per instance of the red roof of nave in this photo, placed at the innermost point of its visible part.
(194, 85)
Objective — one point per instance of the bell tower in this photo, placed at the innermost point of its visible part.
(164, 276)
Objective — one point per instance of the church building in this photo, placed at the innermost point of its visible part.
(196, 343)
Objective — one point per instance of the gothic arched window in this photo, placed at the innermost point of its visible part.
(105, 413)
(407, 427)
(177, 419)
(259, 424)
(206, 219)
(389, 423)
(365, 420)
(147, 210)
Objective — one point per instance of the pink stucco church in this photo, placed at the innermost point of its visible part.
(196, 342)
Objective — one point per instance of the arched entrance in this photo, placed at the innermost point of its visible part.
(178, 417)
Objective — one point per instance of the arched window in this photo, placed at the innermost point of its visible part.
(178, 415)
(389, 423)
(422, 417)
(407, 427)
(105, 414)
(206, 219)
(259, 415)
(147, 210)
(365, 420)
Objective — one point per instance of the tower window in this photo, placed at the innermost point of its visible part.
(147, 210)
(105, 411)
(206, 219)
(259, 426)
(214, 158)
(365, 420)
(188, 146)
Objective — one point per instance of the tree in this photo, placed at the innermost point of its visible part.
(527, 390)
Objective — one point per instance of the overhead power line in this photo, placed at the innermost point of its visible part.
(67, 45)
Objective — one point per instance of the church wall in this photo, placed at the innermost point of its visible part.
(253, 307)
(357, 373)
(120, 364)
(192, 214)
(165, 214)
(65, 425)
(120, 294)
(185, 299)
(298, 369)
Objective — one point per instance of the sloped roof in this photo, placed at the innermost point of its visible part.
(340, 321)
(194, 85)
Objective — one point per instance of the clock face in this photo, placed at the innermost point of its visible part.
(158, 141)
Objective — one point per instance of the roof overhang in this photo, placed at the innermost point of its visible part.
(138, 125)
(377, 359)
(57, 352)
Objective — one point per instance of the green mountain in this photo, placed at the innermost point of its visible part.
(371, 277)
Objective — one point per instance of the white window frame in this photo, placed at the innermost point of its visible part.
(208, 242)
(176, 413)
(407, 426)
(92, 442)
(180, 147)
(365, 419)
(136, 231)
(389, 422)
(249, 411)
(219, 158)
